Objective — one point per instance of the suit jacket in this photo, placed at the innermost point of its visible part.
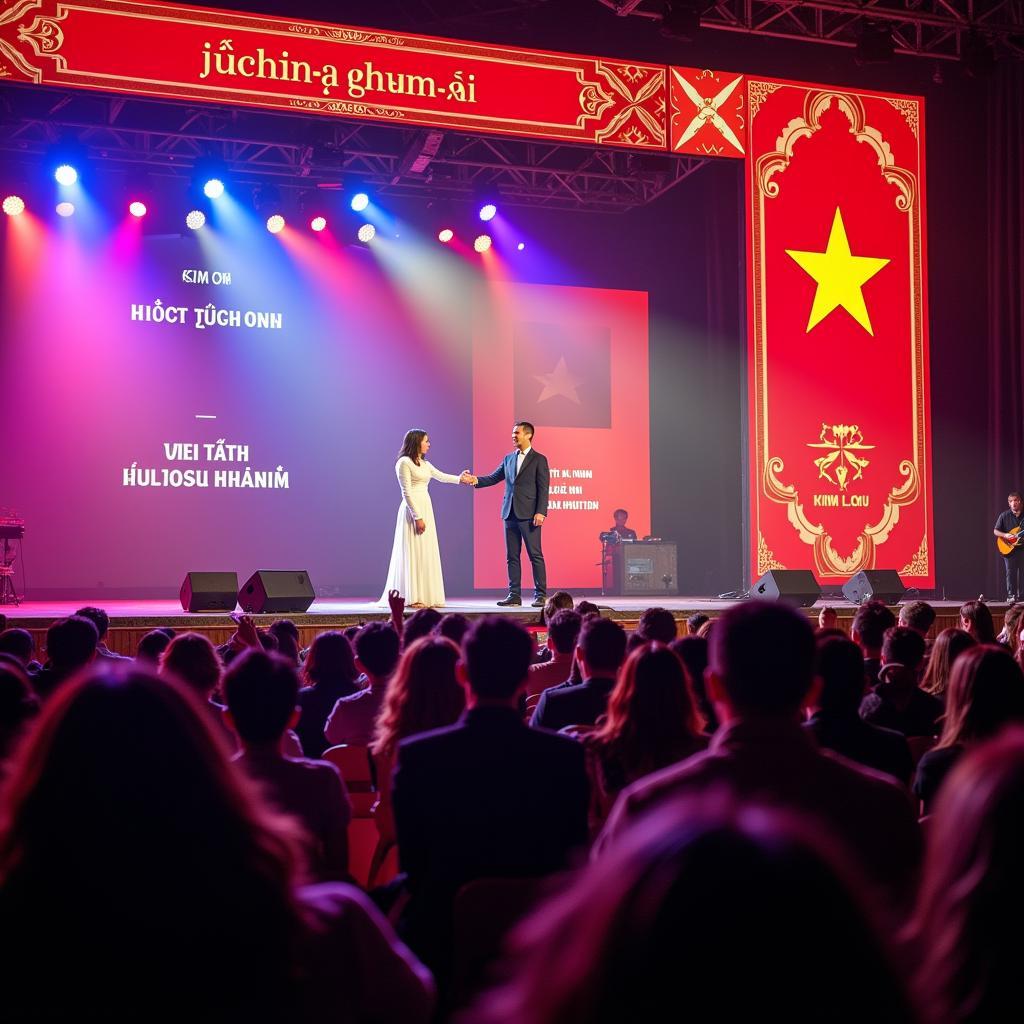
(526, 495)
(572, 704)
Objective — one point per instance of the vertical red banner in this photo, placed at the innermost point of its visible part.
(839, 426)
(572, 361)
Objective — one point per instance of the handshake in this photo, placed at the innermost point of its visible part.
(467, 478)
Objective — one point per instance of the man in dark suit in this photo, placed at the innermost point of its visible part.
(486, 797)
(523, 509)
(599, 653)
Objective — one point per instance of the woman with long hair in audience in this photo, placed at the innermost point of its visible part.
(191, 658)
(650, 723)
(142, 878)
(966, 936)
(692, 651)
(948, 646)
(976, 619)
(423, 694)
(328, 673)
(986, 693)
(704, 912)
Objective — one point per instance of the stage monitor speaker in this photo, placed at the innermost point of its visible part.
(794, 586)
(875, 585)
(209, 591)
(276, 590)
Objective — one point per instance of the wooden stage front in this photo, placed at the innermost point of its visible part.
(131, 620)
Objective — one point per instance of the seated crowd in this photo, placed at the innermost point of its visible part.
(753, 817)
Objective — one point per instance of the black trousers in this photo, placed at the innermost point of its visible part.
(517, 531)
(1014, 565)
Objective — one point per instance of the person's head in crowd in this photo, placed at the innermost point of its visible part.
(3, 622)
(421, 623)
(18, 642)
(558, 601)
(98, 617)
(918, 615)
(18, 705)
(261, 691)
(692, 651)
(651, 721)
(976, 619)
(585, 608)
(870, 622)
(286, 633)
(169, 630)
(828, 618)
(351, 632)
(695, 621)
(563, 631)
(125, 765)
(453, 627)
(192, 659)
(1012, 622)
(705, 629)
(948, 646)
(71, 644)
(967, 921)
(985, 694)
(736, 913)
(330, 663)
(377, 650)
(903, 652)
(151, 646)
(424, 693)
(761, 661)
(496, 657)
(839, 665)
(601, 648)
(657, 624)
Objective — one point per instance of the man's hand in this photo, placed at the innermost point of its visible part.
(396, 603)
(538, 519)
(421, 526)
(467, 478)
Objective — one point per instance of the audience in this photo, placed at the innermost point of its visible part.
(986, 693)
(599, 653)
(453, 627)
(19, 643)
(896, 701)
(261, 692)
(695, 621)
(918, 616)
(329, 673)
(948, 646)
(70, 646)
(192, 659)
(585, 608)
(560, 600)
(151, 646)
(836, 723)
(421, 623)
(99, 618)
(828, 619)
(1012, 621)
(142, 878)
(18, 705)
(353, 718)
(870, 622)
(286, 633)
(563, 632)
(976, 619)
(692, 651)
(657, 624)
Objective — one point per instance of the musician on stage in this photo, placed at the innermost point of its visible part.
(625, 532)
(1008, 528)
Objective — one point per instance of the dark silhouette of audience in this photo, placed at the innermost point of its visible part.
(286, 633)
(421, 623)
(897, 701)
(99, 618)
(329, 673)
(353, 718)
(976, 619)
(692, 651)
(563, 632)
(948, 646)
(152, 646)
(70, 646)
(18, 705)
(453, 627)
(870, 622)
(19, 644)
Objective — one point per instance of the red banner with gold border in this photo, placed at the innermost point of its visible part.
(198, 54)
(707, 112)
(839, 426)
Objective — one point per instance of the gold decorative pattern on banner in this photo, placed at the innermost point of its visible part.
(845, 441)
(911, 111)
(344, 107)
(594, 101)
(46, 37)
(766, 560)
(621, 78)
(759, 92)
(8, 17)
(918, 565)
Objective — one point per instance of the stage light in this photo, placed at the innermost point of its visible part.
(137, 209)
(318, 223)
(360, 201)
(681, 19)
(366, 232)
(214, 188)
(65, 209)
(482, 243)
(275, 224)
(66, 175)
(521, 246)
(445, 235)
(13, 205)
(196, 219)
(874, 43)
(487, 211)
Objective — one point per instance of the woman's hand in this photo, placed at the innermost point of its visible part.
(421, 526)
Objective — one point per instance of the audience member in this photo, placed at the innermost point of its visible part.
(705, 630)
(586, 608)
(708, 912)
(600, 651)
(760, 676)
(19, 643)
(695, 621)
(828, 618)
(70, 646)
(976, 619)
(18, 705)
(329, 673)
(986, 693)
(151, 646)
(919, 616)
(353, 719)
(563, 631)
(160, 887)
(870, 622)
(1012, 621)
(692, 651)
(651, 723)
(286, 633)
(261, 692)
(560, 600)
(835, 722)
(192, 659)
(453, 627)
(657, 624)
(421, 623)
(896, 701)
(948, 646)
(99, 618)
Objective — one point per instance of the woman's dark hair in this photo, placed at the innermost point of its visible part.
(692, 651)
(330, 661)
(18, 704)
(948, 646)
(979, 619)
(192, 659)
(411, 445)
(985, 694)
(421, 623)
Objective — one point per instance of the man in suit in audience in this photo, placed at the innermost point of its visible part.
(600, 652)
(760, 677)
(486, 797)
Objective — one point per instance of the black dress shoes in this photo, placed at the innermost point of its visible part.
(539, 601)
(510, 602)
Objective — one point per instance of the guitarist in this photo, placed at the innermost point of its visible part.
(1008, 528)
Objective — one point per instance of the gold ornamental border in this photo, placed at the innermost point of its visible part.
(769, 481)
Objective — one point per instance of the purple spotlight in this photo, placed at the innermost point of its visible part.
(137, 209)
(487, 211)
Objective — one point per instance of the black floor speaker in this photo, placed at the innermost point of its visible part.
(209, 591)
(269, 591)
(794, 586)
(874, 585)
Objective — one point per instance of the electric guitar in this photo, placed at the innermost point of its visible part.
(1007, 547)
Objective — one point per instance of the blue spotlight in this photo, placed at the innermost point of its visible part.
(487, 211)
(66, 175)
(360, 201)
(214, 188)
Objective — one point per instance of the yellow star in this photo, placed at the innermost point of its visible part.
(559, 382)
(840, 277)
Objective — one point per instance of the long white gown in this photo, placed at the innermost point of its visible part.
(415, 570)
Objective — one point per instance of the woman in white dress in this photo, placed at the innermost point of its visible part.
(415, 570)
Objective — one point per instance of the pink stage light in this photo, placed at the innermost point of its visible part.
(445, 235)
(14, 205)
(318, 223)
(275, 224)
(137, 209)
